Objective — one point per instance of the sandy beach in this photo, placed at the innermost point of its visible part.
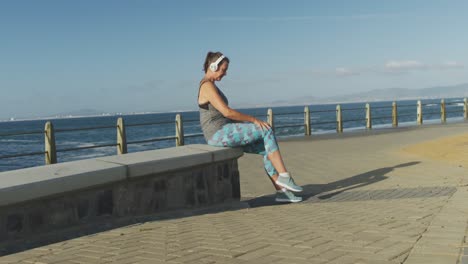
(451, 149)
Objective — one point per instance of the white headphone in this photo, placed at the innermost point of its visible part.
(214, 65)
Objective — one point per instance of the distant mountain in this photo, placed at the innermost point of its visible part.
(388, 94)
(402, 94)
(298, 101)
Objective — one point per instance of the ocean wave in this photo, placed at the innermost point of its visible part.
(77, 144)
(287, 118)
(83, 144)
(322, 131)
(19, 141)
(87, 153)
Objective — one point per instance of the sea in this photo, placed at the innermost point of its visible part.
(288, 121)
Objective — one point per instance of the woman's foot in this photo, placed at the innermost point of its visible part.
(285, 196)
(284, 180)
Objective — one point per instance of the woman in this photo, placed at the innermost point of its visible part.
(226, 127)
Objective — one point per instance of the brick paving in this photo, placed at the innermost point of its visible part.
(365, 202)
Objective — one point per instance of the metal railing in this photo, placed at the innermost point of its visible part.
(51, 151)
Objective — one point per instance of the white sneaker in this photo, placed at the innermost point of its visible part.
(285, 196)
(288, 183)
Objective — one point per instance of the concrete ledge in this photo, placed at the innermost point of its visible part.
(38, 201)
(34, 183)
(159, 161)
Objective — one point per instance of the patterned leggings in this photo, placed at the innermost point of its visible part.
(251, 138)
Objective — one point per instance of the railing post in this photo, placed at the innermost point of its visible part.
(394, 114)
(270, 118)
(121, 137)
(465, 108)
(179, 131)
(368, 117)
(307, 130)
(51, 151)
(339, 120)
(443, 116)
(419, 116)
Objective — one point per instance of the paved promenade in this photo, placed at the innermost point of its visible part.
(376, 197)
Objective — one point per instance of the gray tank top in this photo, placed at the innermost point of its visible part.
(211, 120)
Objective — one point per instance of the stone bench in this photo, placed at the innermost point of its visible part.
(48, 198)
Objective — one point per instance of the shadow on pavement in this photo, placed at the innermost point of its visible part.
(334, 188)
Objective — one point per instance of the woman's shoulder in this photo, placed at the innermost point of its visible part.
(205, 82)
(208, 85)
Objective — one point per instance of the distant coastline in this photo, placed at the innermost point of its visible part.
(378, 95)
(56, 117)
(70, 116)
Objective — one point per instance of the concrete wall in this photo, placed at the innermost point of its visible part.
(49, 198)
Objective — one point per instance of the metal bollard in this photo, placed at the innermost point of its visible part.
(419, 113)
(368, 117)
(394, 114)
(179, 131)
(339, 120)
(50, 149)
(270, 118)
(121, 137)
(307, 128)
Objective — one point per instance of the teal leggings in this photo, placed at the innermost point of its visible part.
(251, 138)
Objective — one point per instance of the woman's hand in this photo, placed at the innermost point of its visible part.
(262, 124)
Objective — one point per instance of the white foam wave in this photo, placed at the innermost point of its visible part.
(82, 144)
(19, 140)
(288, 118)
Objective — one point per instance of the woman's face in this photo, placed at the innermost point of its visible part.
(222, 71)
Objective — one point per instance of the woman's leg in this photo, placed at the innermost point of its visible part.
(272, 158)
(273, 162)
(278, 163)
(253, 140)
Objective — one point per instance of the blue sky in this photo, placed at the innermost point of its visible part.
(134, 56)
